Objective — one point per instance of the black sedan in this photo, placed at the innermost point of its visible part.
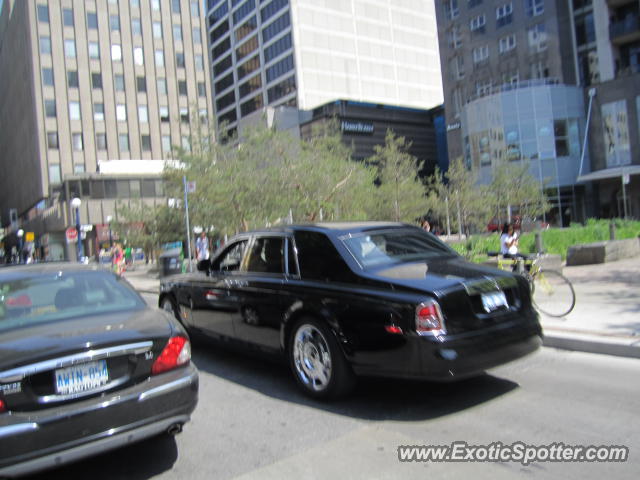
(382, 299)
(85, 366)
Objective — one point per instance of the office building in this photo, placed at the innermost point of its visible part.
(86, 84)
(305, 53)
(520, 78)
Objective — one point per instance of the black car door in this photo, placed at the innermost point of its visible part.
(260, 293)
(213, 301)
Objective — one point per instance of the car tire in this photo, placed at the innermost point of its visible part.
(317, 361)
(168, 305)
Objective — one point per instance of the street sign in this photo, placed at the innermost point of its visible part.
(71, 234)
(626, 178)
(191, 187)
(29, 237)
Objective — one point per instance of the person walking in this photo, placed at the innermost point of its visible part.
(202, 247)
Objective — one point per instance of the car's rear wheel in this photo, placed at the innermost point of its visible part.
(317, 361)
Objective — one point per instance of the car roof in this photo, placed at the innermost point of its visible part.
(334, 228)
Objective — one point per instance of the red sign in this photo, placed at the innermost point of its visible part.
(72, 235)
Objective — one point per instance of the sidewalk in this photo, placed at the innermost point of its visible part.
(606, 318)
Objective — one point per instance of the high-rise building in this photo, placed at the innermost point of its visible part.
(519, 79)
(305, 53)
(94, 95)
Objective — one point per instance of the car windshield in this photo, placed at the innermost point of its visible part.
(27, 298)
(385, 247)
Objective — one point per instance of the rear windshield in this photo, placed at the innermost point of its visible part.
(27, 299)
(387, 247)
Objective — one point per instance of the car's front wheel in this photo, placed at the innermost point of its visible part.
(168, 305)
(317, 361)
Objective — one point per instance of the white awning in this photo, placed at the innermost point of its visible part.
(610, 173)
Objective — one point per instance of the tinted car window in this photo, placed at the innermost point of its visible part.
(319, 260)
(266, 255)
(291, 259)
(230, 259)
(385, 247)
(33, 298)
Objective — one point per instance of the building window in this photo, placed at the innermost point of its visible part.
(228, 117)
(224, 83)
(179, 59)
(92, 20)
(477, 24)
(248, 27)
(67, 17)
(45, 45)
(101, 141)
(121, 112)
(138, 56)
(247, 48)
(164, 113)
(175, 6)
(143, 114)
(270, 31)
(52, 140)
(251, 105)
(195, 10)
(221, 49)
(136, 26)
(43, 13)
(162, 86)
(504, 15)
(279, 68)
(96, 80)
(202, 90)
(78, 168)
(245, 9)
(507, 43)
(72, 79)
(454, 37)
(226, 100)
(474, 3)
(47, 77)
(451, 9)
(184, 114)
(166, 143)
(456, 67)
(50, 108)
(177, 33)
(155, 5)
(277, 48)
(70, 48)
(204, 116)
(159, 54)
(98, 112)
(186, 144)
(74, 110)
(182, 87)
(116, 53)
(480, 53)
(114, 23)
(282, 89)
(123, 142)
(76, 139)
(199, 61)
(537, 36)
(533, 8)
(141, 84)
(271, 9)
(219, 31)
(118, 80)
(135, 3)
(250, 86)
(585, 29)
(157, 30)
(55, 176)
(196, 35)
(225, 64)
(146, 143)
(94, 50)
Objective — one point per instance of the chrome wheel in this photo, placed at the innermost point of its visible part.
(312, 358)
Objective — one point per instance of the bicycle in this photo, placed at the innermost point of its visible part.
(551, 292)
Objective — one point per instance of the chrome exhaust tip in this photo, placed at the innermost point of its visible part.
(174, 429)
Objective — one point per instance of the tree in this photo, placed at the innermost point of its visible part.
(400, 194)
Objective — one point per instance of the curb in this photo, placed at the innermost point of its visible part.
(620, 347)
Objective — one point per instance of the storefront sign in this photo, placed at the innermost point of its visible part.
(356, 127)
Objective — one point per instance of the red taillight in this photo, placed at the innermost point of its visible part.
(3, 406)
(20, 301)
(176, 353)
(393, 329)
(429, 319)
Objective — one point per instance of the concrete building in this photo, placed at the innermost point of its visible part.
(305, 53)
(517, 76)
(85, 84)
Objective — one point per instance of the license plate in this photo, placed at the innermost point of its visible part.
(493, 301)
(81, 378)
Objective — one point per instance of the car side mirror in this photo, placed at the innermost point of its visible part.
(204, 265)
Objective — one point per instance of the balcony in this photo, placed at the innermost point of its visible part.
(625, 31)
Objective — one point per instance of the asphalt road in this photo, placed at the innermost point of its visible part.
(252, 422)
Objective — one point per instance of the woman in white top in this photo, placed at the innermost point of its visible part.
(509, 242)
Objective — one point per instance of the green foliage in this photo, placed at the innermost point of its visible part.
(513, 187)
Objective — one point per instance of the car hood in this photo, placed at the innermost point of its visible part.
(437, 275)
(33, 343)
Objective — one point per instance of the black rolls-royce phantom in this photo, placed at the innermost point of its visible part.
(344, 299)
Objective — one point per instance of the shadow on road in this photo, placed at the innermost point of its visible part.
(138, 461)
(373, 398)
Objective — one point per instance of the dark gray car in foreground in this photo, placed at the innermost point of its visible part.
(85, 366)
